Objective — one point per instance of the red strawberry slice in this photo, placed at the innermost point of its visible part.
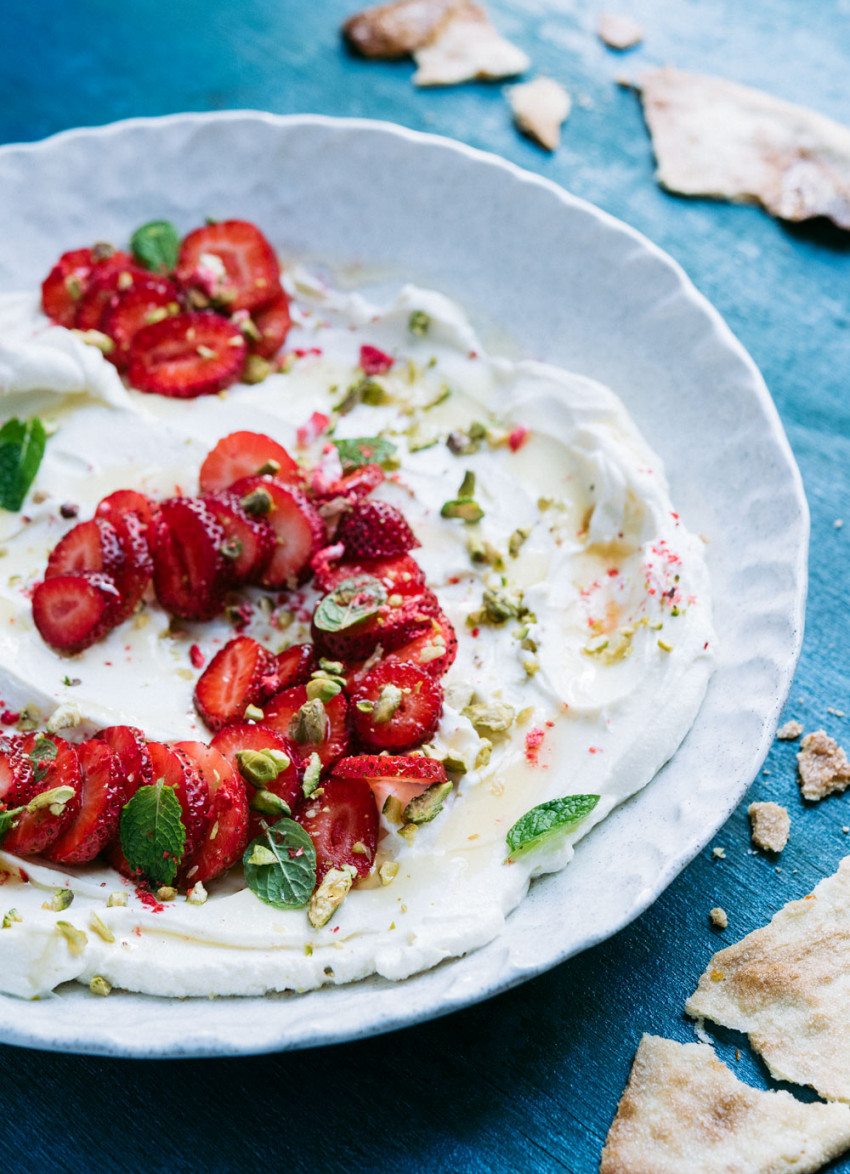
(65, 285)
(88, 546)
(114, 507)
(134, 759)
(287, 785)
(407, 705)
(101, 799)
(190, 572)
(16, 773)
(283, 714)
(251, 276)
(186, 356)
(434, 651)
(73, 611)
(226, 833)
(36, 830)
(295, 665)
(394, 624)
(133, 579)
(299, 531)
(125, 313)
(342, 820)
(118, 274)
(246, 454)
(358, 483)
(180, 770)
(374, 529)
(235, 678)
(400, 575)
(403, 776)
(273, 322)
(249, 540)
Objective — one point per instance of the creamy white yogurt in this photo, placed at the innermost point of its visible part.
(618, 649)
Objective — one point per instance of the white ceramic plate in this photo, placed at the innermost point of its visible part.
(568, 284)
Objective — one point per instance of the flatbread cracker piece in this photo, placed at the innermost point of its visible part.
(716, 138)
(618, 32)
(822, 766)
(389, 31)
(685, 1111)
(770, 824)
(466, 47)
(539, 108)
(787, 986)
(791, 731)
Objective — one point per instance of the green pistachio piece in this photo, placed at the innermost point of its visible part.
(258, 502)
(495, 716)
(117, 898)
(388, 871)
(256, 369)
(388, 702)
(260, 767)
(418, 322)
(267, 803)
(166, 893)
(330, 895)
(253, 713)
(99, 986)
(101, 928)
(310, 723)
(76, 939)
(10, 917)
(467, 485)
(312, 775)
(516, 540)
(60, 900)
(429, 804)
(502, 603)
(334, 668)
(466, 510)
(323, 689)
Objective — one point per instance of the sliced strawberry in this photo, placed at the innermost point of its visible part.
(227, 817)
(358, 483)
(374, 361)
(16, 773)
(186, 356)
(118, 274)
(88, 546)
(273, 321)
(404, 776)
(36, 830)
(127, 311)
(287, 785)
(133, 579)
(73, 611)
(295, 665)
(134, 759)
(283, 713)
(246, 454)
(190, 572)
(392, 625)
(251, 273)
(114, 507)
(375, 529)
(65, 285)
(298, 529)
(234, 678)
(342, 820)
(407, 705)
(400, 575)
(434, 651)
(180, 770)
(101, 799)
(249, 539)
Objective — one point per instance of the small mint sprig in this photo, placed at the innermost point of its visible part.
(364, 450)
(156, 245)
(280, 865)
(21, 450)
(153, 837)
(548, 820)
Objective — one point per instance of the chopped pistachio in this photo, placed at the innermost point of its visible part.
(455, 763)
(482, 758)
(258, 502)
(425, 807)
(330, 895)
(261, 855)
(516, 540)
(461, 443)
(322, 688)
(664, 646)
(465, 509)
(99, 986)
(334, 667)
(408, 831)
(388, 871)
(253, 713)
(422, 440)
(310, 723)
(231, 549)
(481, 551)
(267, 803)
(365, 706)
(312, 775)
(10, 917)
(495, 716)
(393, 809)
(502, 604)
(387, 704)
(359, 848)
(60, 900)
(197, 895)
(525, 715)
(256, 369)
(261, 767)
(101, 928)
(116, 898)
(441, 396)
(55, 799)
(531, 665)
(166, 893)
(96, 338)
(418, 322)
(467, 485)
(29, 719)
(76, 939)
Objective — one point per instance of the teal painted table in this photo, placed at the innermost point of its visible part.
(530, 1080)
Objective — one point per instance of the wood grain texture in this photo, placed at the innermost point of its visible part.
(530, 1080)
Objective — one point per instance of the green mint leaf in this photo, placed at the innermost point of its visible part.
(280, 865)
(153, 837)
(21, 449)
(351, 601)
(42, 754)
(365, 450)
(155, 246)
(556, 817)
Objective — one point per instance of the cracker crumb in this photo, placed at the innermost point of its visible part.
(770, 824)
(618, 31)
(835, 712)
(838, 523)
(737, 1053)
(790, 731)
(822, 765)
(717, 917)
(720, 853)
(539, 107)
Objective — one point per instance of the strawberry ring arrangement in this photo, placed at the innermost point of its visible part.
(327, 716)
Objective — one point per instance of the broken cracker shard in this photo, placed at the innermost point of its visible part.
(539, 108)
(683, 1110)
(769, 826)
(786, 986)
(390, 31)
(618, 32)
(822, 766)
(717, 138)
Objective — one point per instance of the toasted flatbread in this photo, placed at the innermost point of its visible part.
(683, 1112)
(713, 137)
(539, 108)
(788, 986)
(464, 48)
(390, 31)
(822, 766)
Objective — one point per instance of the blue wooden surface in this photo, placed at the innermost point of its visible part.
(530, 1080)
